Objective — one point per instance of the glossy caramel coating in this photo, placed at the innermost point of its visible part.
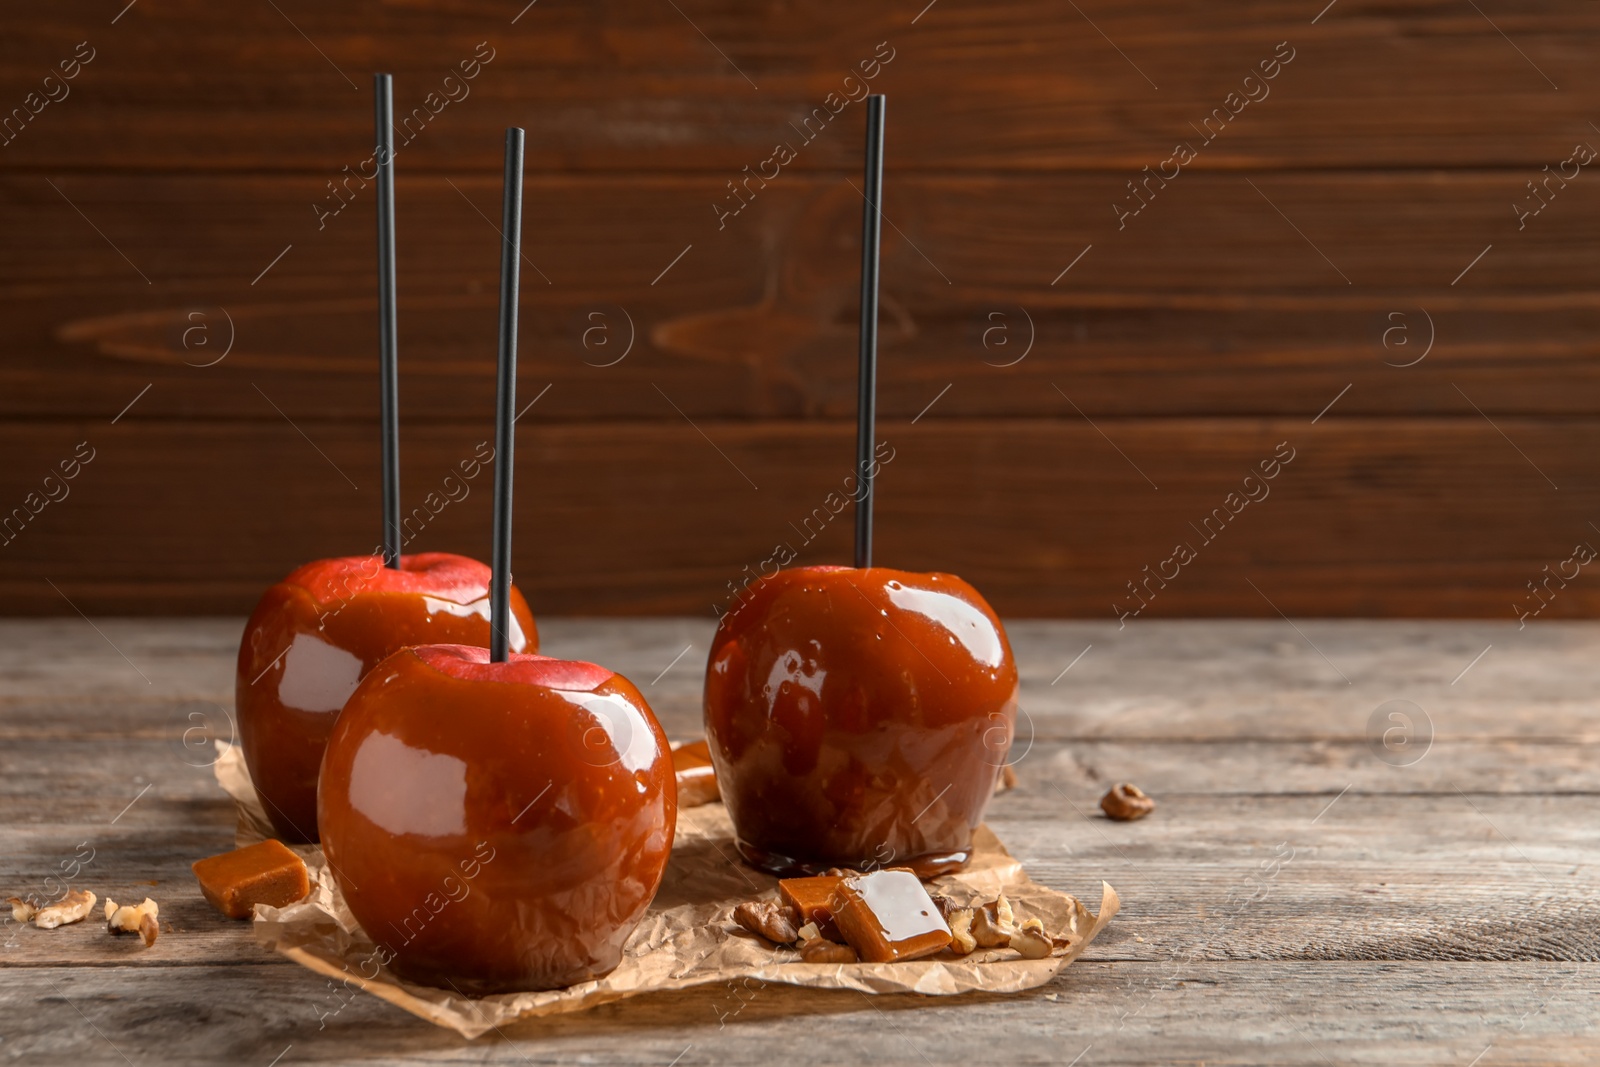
(859, 718)
(316, 634)
(887, 916)
(497, 827)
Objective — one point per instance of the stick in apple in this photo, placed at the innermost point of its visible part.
(388, 354)
(506, 400)
(866, 402)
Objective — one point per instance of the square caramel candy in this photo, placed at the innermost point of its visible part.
(697, 779)
(268, 873)
(811, 897)
(887, 916)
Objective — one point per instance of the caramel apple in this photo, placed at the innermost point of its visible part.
(858, 718)
(314, 635)
(497, 826)
(497, 821)
(317, 633)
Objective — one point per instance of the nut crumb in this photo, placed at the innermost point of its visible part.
(71, 908)
(808, 932)
(960, 922)
(821, 950)
(21, 910)
(1126, 802)
(773, 921)
(991, 924)
(1031, 940)
(1007, 780)
(138, 919)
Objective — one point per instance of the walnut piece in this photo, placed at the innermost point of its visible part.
(944, 904)
(808, 932)
(1007, 780)
(1126, 803)
(69, 909)
(21, 910)
(821, 950)
(1031, 940)
(960, 922)
(134, 919)
(992, 924)
(773, 921)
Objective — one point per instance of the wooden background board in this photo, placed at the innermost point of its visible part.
(1302, 894)
(1346, 249)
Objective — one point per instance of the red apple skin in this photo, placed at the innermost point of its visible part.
(859, 718)
(497, 826)
(315, 634)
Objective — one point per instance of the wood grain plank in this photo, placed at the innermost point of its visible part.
(1020, 83)
(116, 770)
(1377, 870)
(1160, 681)
(1290, 1013)
(1047, 517)
(1207, 303)
(1455, 858)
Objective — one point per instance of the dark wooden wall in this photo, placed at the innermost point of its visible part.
(1352, 236)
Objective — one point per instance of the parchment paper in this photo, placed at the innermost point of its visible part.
(687, 938)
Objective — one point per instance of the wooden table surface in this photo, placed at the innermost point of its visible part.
(1303, 894)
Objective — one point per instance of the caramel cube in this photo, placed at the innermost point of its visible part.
(811, 897)
(697, 779)
(268, 873)
(887, 916)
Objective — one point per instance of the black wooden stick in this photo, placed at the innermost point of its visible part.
(388, 353)
(506, 401)
(867, 398)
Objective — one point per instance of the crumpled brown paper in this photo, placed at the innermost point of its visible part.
(688, 936)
